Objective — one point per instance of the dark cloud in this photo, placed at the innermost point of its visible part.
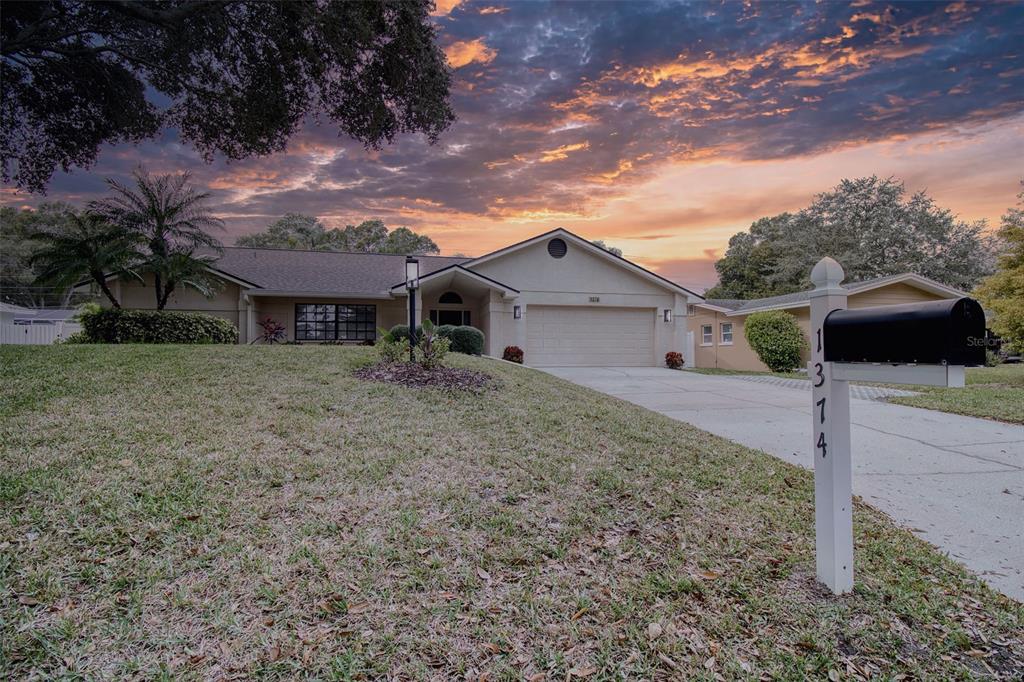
(562, 106)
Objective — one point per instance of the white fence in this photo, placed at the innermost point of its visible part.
(36, 334)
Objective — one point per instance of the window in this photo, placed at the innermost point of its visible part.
(455, 317)
(691, 310)
(727, 333)
(706, 335)
(334, 322)
(450, 297)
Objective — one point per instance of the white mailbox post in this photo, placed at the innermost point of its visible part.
(925, 343)
(833, 471)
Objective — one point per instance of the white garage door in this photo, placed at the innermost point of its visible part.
(572, 336)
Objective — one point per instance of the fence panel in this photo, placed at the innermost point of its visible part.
(36, 334)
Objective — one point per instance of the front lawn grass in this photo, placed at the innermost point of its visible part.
(257, 512)
(991, 392)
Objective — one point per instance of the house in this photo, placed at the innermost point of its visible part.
(718, 323)
(561, 299)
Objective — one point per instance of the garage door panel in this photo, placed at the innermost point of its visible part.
(568, 336)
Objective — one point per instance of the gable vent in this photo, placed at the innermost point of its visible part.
(557, 248)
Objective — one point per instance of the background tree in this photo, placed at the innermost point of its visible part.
(296, 231)
(236, 78)
(18, 278)
(173, 221)
(82, 247)
(1002, 294)
(870, 227)
(610, 249)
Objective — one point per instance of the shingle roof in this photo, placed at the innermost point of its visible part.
(737, 305)
(322, 271)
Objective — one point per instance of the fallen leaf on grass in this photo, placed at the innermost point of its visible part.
(582, 672)
(578, 614)
(491, 647)
(361, 607)
(28, 601)
(654, 631)
(484, 575)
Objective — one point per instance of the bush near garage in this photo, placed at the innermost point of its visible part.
(116, 325)
(776, 338)
(465, 339)
(513, 354)
(674, 360)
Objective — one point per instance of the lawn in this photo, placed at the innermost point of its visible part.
(991, 392)
(257, 512)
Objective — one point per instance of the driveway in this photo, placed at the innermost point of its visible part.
(955, 481)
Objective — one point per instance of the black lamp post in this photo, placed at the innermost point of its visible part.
(412, 282)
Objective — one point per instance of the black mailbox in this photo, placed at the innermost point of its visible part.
(950, 332)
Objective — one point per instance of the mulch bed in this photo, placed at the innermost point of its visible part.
(409, 374)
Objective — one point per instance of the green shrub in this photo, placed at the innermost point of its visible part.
(400, 332)
(776, 338)
(465, 339)
(992, 359)
(113, 325)
(389, 348)
(430, 347)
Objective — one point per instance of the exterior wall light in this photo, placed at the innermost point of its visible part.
(668, 314)
(517, 312)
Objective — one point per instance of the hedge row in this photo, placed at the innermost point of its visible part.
(464, 339)
(113, 325)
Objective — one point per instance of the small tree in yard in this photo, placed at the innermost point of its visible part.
(1002, 294)
(776, 338)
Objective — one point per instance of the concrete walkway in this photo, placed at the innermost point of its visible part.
(955, 481)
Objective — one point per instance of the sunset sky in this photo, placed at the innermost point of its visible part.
(662, 128)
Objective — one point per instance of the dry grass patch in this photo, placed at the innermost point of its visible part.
(206, 513)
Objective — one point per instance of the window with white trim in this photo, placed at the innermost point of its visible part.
(706, 335)
(727, 333)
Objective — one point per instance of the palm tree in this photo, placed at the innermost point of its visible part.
(172, 218)
(86, 246)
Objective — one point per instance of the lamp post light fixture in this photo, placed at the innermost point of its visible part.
(668, 314)
(412, 283)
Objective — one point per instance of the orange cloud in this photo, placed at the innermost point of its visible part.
(443, 8)
(559, 153)
(465, 52)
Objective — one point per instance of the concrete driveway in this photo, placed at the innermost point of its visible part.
(957, 482)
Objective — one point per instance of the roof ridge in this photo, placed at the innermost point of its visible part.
(349, 253)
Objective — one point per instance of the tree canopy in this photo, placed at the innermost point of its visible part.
(610, 249)
(18, 277)
(1002, 294)
(235, 78)
(297, 231)
(871, 227)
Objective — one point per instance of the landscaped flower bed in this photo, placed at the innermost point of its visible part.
(412, 374)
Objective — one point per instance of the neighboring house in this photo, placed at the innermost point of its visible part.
(718, 323)
(561, 299)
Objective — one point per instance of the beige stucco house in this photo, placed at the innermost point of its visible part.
(561, 299)
(717, 324)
